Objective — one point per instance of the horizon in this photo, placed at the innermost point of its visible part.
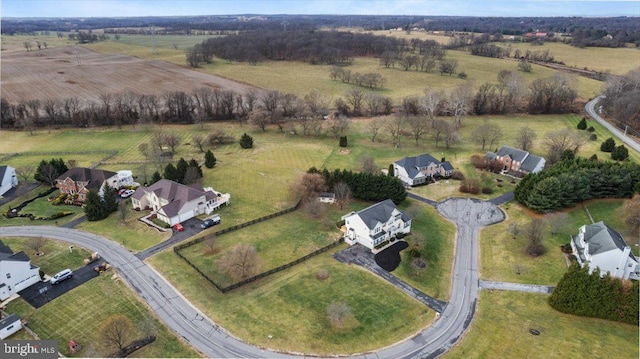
(27, 9)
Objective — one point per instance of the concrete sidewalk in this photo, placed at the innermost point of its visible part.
(517, 287)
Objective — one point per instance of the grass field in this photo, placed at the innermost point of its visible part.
(56, 254)
(79, 314)
(291, 306)
(502, 323)
(39, 208)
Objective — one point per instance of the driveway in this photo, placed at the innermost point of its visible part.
(191, 228)
(42, 293)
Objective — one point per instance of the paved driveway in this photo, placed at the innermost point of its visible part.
(42, 293)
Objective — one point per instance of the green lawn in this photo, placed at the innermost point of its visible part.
(78, 314)
(174, 42)
(294, 301)
(56, 255)
(503, 319)
(39, 208)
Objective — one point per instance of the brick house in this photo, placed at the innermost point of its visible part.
(79, 181)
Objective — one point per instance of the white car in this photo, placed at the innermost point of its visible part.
(127, 193)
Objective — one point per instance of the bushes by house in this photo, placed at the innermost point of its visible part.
(590, 295)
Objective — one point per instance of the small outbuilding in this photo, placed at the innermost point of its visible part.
(9, 325)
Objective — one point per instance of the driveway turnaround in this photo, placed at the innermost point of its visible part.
(517, 287)
(207, 337)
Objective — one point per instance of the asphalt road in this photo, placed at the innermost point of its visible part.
(206, 336)
(629, 141)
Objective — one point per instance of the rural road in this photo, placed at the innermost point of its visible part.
(629, 141)
(207, 337)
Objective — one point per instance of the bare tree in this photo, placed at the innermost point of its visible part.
(72, 163)
(314, 208)
(460, 101)
(487, 134)
(123, 210)
(144, 149)
(368, 164)
(172, 140)
(34, 110)
(418, 126)
(534, 232)
(241, 262)
(394, 126)
(525, 139)
(431, 103)
(37, 243)
(158, 141)
(558, 222)
(25, 173)
(514, 229)
(447, 132)
(259, 118)
(192, 175)
(337, 123)
(558, 142)
(374, 127)
(116, 331)
(309, 186)
(210, 243)
(355, 98)
(49, 174)
(340, 316)
(316, 103)
(199, 141)
(631, 210)
(343, 194)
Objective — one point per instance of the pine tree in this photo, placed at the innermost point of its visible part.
(93, 207)
(391, 173)
(209, 159)
(343, 141)
(620, 153)
(171, 173)
(246, 141)
(181, 168)
(582, 125)
(155, 177)
(608, 145)
(196, 165)
(109, 199)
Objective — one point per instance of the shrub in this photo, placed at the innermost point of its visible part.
(322, 274)
(535, 250)
(457, 175)
(341, 223)
(487, 190)
(462, 75)
(400, 235)
(414, 253)
(246, 141)
(582, 125)
(60, 215)
(593, 137)
(620, 153)
(591, 129)
(608, 145)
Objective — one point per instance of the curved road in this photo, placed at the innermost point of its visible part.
(590, 108)
(207, 337)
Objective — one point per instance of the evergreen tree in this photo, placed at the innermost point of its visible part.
(582, 125)
(39, 175)
(209, 159)
(93, 207)
(343, 141)
(59, 165)
(193, 163)
(246, 141)
(171, 173)
(620, 153)
(109, 199)
(608, 145)
(155, 177)
(181, 168)
(391, 173)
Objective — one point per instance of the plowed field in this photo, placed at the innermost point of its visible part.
(73, 71)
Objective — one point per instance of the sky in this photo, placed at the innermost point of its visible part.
(122, 8)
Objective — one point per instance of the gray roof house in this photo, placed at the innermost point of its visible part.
(599, 246)
(417, 170)
(173, 202)
(16, 272)
(517, 161)
(8, 179)
(374, 226)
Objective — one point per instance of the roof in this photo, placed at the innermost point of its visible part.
(3, 170)
(7, 321)
(531, 162)
(379, 212)
(175, 193)
(447, 166)
(95, 177)
(602, 238)
(413, 164)
(327, 195)
(5, 248)
(514, 153)
(14, 257)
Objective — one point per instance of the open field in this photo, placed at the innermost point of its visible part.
(502, 323)
(174, 42)
(294, 301)
(79, 314)
(73, 71)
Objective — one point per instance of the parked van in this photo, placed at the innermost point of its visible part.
(60, 276)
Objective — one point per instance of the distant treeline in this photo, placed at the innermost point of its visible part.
(585, 31)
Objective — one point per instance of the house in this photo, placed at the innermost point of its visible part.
(9, 325)
(78, 181)
(417, 170)
(174, 203)
(16, 272)
(327, 197)
(517, 161)
(374, 226)
(8, 179)
(599, 246)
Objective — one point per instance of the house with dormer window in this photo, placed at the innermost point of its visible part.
(414, 171)
(16, 272)
(374, 226)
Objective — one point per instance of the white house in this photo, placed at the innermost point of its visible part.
(16, 272)
(598, 245)
(516, 160)
(9, 325)
(417, 170)
(374, 226)
(8, 179)
(174, 203)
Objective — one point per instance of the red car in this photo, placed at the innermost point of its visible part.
(178, 227)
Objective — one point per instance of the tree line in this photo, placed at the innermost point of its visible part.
(622, 100)
(574, 180)
(365, 186)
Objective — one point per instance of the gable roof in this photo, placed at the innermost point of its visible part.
(175, 193)
(514, 153)
(379, 212)
(14, 257)
(8, 320)
(5, 248)
(3, 170)
(531, 162)
(95, 177)
(413, 164)
(447, 166)
(602, 238)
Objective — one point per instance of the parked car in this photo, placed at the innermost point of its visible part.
(126, 193)
(209, 222)
(60, 276)
(178, 227)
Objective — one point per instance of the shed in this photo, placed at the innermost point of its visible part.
(9, 325)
